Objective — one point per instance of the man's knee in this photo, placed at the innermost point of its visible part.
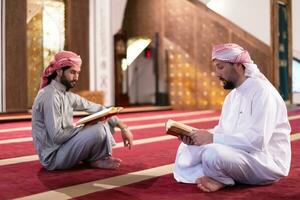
(95, 133)
(217, 155)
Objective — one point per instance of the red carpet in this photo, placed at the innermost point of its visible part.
(141, 157)
(27, 178)
(167, 188)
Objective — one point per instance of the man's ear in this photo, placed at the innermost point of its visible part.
(240, 67)
(241, 70)
(59, 72)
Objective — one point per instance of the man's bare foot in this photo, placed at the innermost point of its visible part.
(107, 163)
(207, 184)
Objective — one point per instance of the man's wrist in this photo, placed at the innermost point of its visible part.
(123, 128)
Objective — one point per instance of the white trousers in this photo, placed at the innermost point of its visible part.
(224, 164)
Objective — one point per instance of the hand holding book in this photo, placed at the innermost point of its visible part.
(98, 116)
(188, 134)
(178, 129)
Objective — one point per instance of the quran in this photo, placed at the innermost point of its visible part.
(178, 129)
(99, 116)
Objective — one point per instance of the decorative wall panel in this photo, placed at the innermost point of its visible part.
(34, 56)
(45, 37)
(179, 21)
(188, 30)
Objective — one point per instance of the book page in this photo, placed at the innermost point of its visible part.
(107, 112)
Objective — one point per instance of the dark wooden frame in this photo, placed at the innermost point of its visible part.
(275, 44)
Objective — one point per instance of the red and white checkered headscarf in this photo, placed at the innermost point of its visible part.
(61, 59)
(234, 53)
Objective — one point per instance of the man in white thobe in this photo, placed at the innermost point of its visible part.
(58, 143)
(251, 143)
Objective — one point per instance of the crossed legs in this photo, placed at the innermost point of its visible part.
(214, 166)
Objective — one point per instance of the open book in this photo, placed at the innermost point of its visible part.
(98, 116)
(178, 128)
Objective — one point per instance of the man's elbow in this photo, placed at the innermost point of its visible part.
(58, 140)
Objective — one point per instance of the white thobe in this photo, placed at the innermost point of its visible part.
(251, 143)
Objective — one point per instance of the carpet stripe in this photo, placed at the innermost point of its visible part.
(130, 119)
(294, 117)
(137, 127)
(190, 121)
(30, 139)
(15, 129)
(25, 139)
(16, 160)
(295, 136)
(103, 184)
(153, 125)
(22, 159)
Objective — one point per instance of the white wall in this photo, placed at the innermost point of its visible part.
(141, 81)
(296, 27)
(251, 15)
(254, 17)
(101, 50)
(2, 56)
(106, 18)
(296, 46)
(118, 10)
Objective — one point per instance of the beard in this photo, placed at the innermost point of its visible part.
(227, 85)
(67, 83)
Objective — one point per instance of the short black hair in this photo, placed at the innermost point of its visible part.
(54, 74)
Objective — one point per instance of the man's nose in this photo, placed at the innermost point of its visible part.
(76, 77)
